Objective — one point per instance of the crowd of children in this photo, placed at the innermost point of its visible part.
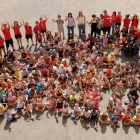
(71, 74)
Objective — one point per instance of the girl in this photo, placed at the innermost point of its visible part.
(11, 100)
(135, 20)
(67, 93)
(40, 105)
(65, 111)
(17, 32)
(105, 41)
(29, 33)
(2, 46)
(104, 119)
(50, 105)
(113, 22)
(40, 61)
(117, 51)
(29, 108)
(110, 105)
(114, 96)
(94, 24)
(82, 97)
(126, 22)
(21, 105)
(71, 23)
(120, 109)
(120, 90)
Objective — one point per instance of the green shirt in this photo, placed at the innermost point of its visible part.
(1, 94)
(32, 60)
(73, 97)
(111, 103)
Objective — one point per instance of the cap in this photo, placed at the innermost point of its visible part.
(40, 48)
(4, 95)
(24, 68)
(111, 35)
(1, 105)
(38, 51)
(81, 68)
(1, 88)
(38, 85)
(38, 31)
(8, 80)
(28, 50)
(110, 98)
(9, 50)
(54, 49)
(88, 71)
(63, 59)
(62, 74)
(79, 75)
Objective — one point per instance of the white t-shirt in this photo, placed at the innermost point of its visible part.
(120, 108)
(86, 114)
(5, 76)
(77, 110)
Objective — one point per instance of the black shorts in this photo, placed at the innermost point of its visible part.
(25, 76)
(1, 47)
(9, 42)
(94, 117)
(13, 118)
(29, 36)
(118, 24)
(18, 36)
(43, 31)
(107, 29)
(45, 75)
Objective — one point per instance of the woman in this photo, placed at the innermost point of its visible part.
(94, 25)
(2, 46)
(135, 21)
(81, 23)
(71, 23)
(29, 32)
(113, 22)
(17, 32)
(126, 22)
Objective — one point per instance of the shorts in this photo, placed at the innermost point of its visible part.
(45, 75)
(30, 65)
(25, 76)
(19, 109)
(13, 118)
(40, 41)
(107, 29)
(1, 47)
(29, 36)
(119, 24)
(43, 31)
(58, 109)
(18, 36)
(9, 42)
(17, 89)
(47, 49)
(93, 117)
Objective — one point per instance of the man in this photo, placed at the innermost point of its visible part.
(11, 115)
(7, 35)
(107, 19)
(60, 23)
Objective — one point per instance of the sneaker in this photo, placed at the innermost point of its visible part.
(27, 45)
(32, 117)
(23, 113)
(81, 120)
(74, 121)
(88, 126)
(33, 44)
(19, 47)
(28, 114)
(95, 127)
(56, 118)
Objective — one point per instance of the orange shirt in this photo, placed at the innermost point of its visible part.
(105, 59)
(3, 84)
(54, 61)
(65, 65)
(10, 85)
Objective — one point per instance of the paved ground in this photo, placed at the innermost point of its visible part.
(45, 127)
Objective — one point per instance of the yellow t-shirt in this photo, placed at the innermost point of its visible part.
(136, 119)
(59, 92)
(112, 58)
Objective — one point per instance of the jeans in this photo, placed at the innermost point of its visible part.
(72, 30)
(113, 26)
(81, 28)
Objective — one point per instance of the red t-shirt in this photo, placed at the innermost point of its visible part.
(28, 30)
(7, 34)
(37, 55)
(43, 25)
(124, 118)
(39, 36)
(134, 23)
(106, 21)
(16, 30)
(113, 18)
(44, 72)
(47, 59)
(126, 23)
(91, 39)
(1, 42)
(36, 29)
(118, 18)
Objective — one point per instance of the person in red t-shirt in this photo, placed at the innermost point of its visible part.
(107, 19)
(135, 21)
(118, 19)
(36, 29)
(42, 25)
(17, 32)
(44, 73)
(2, 46)
(126, 119)
(29, 33)
(113, 22)
(7, 35)
(126, 22)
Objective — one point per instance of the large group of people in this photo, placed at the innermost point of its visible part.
(73, 71)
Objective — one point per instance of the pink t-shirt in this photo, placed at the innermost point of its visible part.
(96, 103)
(105, 40)
(12, 98)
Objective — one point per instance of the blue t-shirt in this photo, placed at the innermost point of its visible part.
(8, 116)
(39, 90)
(115, 119)
(58, 22)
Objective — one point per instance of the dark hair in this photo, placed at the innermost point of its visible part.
(59, 15)
(93, 15)
(70, 14)
(36, 22)
(127, 16)
(114, 13)
(15, 22)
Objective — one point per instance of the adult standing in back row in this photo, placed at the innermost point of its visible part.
(60, 23)
(107, 19)
(7, 35)
(71, 23)
(81, 23)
